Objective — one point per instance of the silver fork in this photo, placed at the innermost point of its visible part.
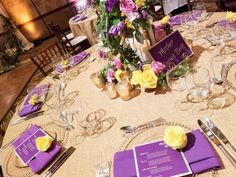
(10, 142)
(103, 170)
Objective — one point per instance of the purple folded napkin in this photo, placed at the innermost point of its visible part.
(199, 154)
(78, 17)
(28, 108)
(75, 60)
(177, 19)
(225, 23)
(59, 69)
(42, 159)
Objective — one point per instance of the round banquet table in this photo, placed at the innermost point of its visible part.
(91, 151)
(85, 27)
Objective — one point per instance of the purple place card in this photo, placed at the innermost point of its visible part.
(156, 159)
(171, 51)
(27, 149)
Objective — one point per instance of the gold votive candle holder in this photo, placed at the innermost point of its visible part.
(98, 80)
(110, 90)
(124, 89)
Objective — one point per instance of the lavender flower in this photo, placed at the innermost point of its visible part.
(110, 75)
(144, 14)
(116, 29)
(101, 54)
(109, 4)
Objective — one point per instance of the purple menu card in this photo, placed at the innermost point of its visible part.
(156, 159)
(27, 149)
(171, 51)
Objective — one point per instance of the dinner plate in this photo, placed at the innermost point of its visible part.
(156, 133)
(12, 165)
(22, 100)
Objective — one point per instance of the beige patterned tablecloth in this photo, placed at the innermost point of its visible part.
(85, 28)
(91, 151)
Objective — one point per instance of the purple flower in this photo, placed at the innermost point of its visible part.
(159, 32)
(144, 14)
(140, 66)
(157, 67)
(101, 54)
(116, 29)
(128, 6)
(109, 4)
(110, 75)
(117, 63)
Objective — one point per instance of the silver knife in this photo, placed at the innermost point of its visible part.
(58, 163)
(219, 134)
(215, 140)
(30, 116)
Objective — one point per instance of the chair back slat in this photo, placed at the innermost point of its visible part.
(61, 36)
(43, 58)
(65, 42)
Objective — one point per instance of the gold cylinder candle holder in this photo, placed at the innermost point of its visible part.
(124, 89)
(110, 90)
(98, 80)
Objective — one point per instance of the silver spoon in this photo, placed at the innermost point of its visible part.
(130, 128)
(62, 88)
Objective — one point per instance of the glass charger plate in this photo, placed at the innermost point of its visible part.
(231, 77)
(12, 165)
(153, 133)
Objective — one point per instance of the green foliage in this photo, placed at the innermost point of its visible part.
(6, 54)
(139, 37)
(181, 69)
(116, 43)
(162, 80)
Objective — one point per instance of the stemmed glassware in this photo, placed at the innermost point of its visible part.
(176, 82)
(198, 82)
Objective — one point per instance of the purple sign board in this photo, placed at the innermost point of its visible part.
(171, 51)
(159, 160)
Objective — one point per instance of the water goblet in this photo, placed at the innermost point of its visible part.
(176, 81)
(198, 83)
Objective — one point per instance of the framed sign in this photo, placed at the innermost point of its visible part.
(171, 51)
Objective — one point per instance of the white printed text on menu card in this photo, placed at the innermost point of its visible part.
(156, 159)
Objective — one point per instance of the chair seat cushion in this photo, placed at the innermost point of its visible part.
(77, 40)
(69, 37)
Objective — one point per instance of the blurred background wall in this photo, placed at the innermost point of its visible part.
(32, 16)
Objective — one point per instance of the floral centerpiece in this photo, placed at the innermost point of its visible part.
(120, 19)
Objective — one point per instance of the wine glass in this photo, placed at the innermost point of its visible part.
(176, 81)
(198, 83)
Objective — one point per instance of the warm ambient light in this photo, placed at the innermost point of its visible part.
(25, 14)
(32, 31)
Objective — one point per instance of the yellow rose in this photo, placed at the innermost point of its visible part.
(129, 24)
(231, 16)
(165, 20)
(146, 66)
(175, 137)
(148, 79)
(136, 76)
(117, 74)
(43, 143)
(140, 3)
(65, 63)
(34, 100)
